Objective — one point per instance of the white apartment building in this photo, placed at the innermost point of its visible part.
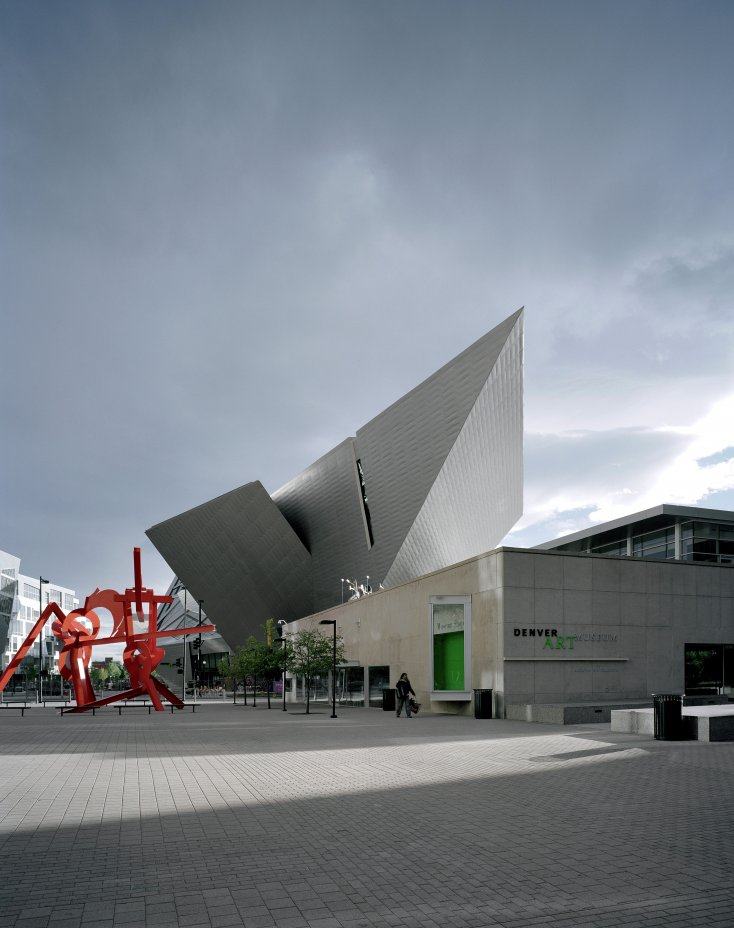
(20, 608)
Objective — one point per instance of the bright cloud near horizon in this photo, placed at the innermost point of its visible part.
(232, 233)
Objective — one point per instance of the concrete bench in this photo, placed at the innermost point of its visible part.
(700, 723)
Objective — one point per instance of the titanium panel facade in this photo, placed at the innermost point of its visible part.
(442, 471)
(323, 505)
(478, 491)
(404, 448)
(241, 557)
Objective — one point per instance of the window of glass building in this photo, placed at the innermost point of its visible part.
(614, 548)
(30, 591)
(707, 542)
(7, 582)
(658, 544)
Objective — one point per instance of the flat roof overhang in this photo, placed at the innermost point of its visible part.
(657, 514)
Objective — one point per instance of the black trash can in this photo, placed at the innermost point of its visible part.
(668, 720)
(388, 699)
(482, 704)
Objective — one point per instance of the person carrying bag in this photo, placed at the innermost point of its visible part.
(404, 691)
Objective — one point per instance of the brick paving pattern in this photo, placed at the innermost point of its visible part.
(245, 817)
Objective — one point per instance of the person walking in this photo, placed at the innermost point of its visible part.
(404, 690)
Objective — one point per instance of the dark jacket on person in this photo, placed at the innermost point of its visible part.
(403, 687)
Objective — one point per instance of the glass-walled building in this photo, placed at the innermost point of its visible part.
(21, 602)
(680, 533)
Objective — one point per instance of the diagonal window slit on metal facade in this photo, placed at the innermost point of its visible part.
(365, 505)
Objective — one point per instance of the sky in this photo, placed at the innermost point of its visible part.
(231, 233)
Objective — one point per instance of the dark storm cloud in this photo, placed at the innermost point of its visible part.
(231, 233)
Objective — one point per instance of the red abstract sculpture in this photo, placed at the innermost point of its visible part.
(78, 632)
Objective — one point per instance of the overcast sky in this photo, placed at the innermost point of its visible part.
(231, 233)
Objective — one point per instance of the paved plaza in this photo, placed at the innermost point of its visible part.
(257, 818)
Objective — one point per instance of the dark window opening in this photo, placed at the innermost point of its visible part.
(709, 669)
(379, 679)
(365, 506)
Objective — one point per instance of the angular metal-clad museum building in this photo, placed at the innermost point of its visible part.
(434, 479)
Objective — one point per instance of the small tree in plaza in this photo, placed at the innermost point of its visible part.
(227, 669)
(242, 666)
(311, 654)
(115, 672)
(98, 675)
(271, 657)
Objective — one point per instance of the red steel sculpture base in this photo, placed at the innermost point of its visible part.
(134, 623)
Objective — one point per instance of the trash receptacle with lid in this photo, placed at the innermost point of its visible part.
(667, 715)
(388, 699)
(482, 704)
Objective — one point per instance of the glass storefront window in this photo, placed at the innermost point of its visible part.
(350, 686)
(448, 629)
(379, 678)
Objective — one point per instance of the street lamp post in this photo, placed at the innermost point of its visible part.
(342, 591)
(198, 652)
(41, 582)
(333, 667)
(283, 642)
(185, 619)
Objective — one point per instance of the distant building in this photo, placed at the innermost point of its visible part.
(20, 609)
(202, 661)
(665, 532)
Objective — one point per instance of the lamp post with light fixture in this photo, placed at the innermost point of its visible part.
(333, 667)
(282, 639)
(41, 582)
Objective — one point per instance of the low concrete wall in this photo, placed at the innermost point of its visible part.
(566, 714)
(633, 721)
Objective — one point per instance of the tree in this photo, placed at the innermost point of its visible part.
(258, 660)
(270, 657)
(310, 654)
(115, 671)
(227, 669)
(98, 675)
(246, 664)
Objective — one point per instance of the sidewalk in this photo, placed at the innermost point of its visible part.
(235, 816)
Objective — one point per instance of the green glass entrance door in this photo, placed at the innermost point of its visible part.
(448, 661)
